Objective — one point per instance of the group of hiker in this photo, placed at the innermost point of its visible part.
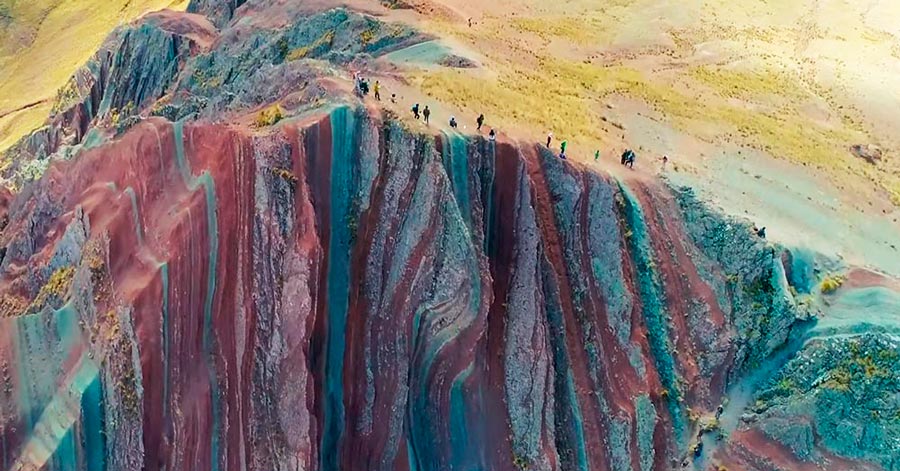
(362, 89)
(425, 115)
(628, 157)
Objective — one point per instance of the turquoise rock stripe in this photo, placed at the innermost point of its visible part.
(455, 156)
(459, 439)
(52, 399)
(206, 181)
(343, 132)
(92, 413)
(653, 310)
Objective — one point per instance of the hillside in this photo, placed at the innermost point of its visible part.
(42, 42)
(801, 80)
(216, 254)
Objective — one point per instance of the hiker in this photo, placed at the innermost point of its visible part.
(426, 113)
(415, 111)
(377, 90)
(597, 155)
(562, 148)
(364, 87)
(625, 156)
(357, 84)
(719, 411)
(492, 135)
(453, 122)
(761, 233)
(665, 161)
(630, 161)
(549, 139)
(480, 121)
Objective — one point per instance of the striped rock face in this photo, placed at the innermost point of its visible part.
(336, 292)
(344, 294)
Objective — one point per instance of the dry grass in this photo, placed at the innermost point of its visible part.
(301, 52)
(532, 85)
(15, 125)
(563, 101)
(582, 31)
(269, 116)
(832, 283)
(750, 85)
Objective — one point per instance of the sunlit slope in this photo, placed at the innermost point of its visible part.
(801, 80)
(43, 43)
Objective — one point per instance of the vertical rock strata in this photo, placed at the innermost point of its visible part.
(343, 294)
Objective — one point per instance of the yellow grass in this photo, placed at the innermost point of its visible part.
(579, 30)
(537, 86)
(749, 85)
(67, 34)
(302, 52)
(16, 125)
(831, 283)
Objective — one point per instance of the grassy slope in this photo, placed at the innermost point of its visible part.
(46, 42)
(747, 73)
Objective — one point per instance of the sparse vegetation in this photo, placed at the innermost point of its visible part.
(754, 85)
(206, 79)
(11, 305)
(831, 283)
(55, 288)
(579, 30)
(838, 379)
(269, 116)
(285, 175)
(65, 97)
(282, 48)
(367, 36)
(324, 41)
(31, 170)
(520, 462)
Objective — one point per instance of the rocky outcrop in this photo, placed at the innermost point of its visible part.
(179, 66)
(841, 394)
(219, 12)
(344, 294)
(134, 68)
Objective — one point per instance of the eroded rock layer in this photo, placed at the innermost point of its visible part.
(342, 294)
(212, 261)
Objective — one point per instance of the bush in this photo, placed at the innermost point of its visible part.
(831, 283)
(269, 116)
